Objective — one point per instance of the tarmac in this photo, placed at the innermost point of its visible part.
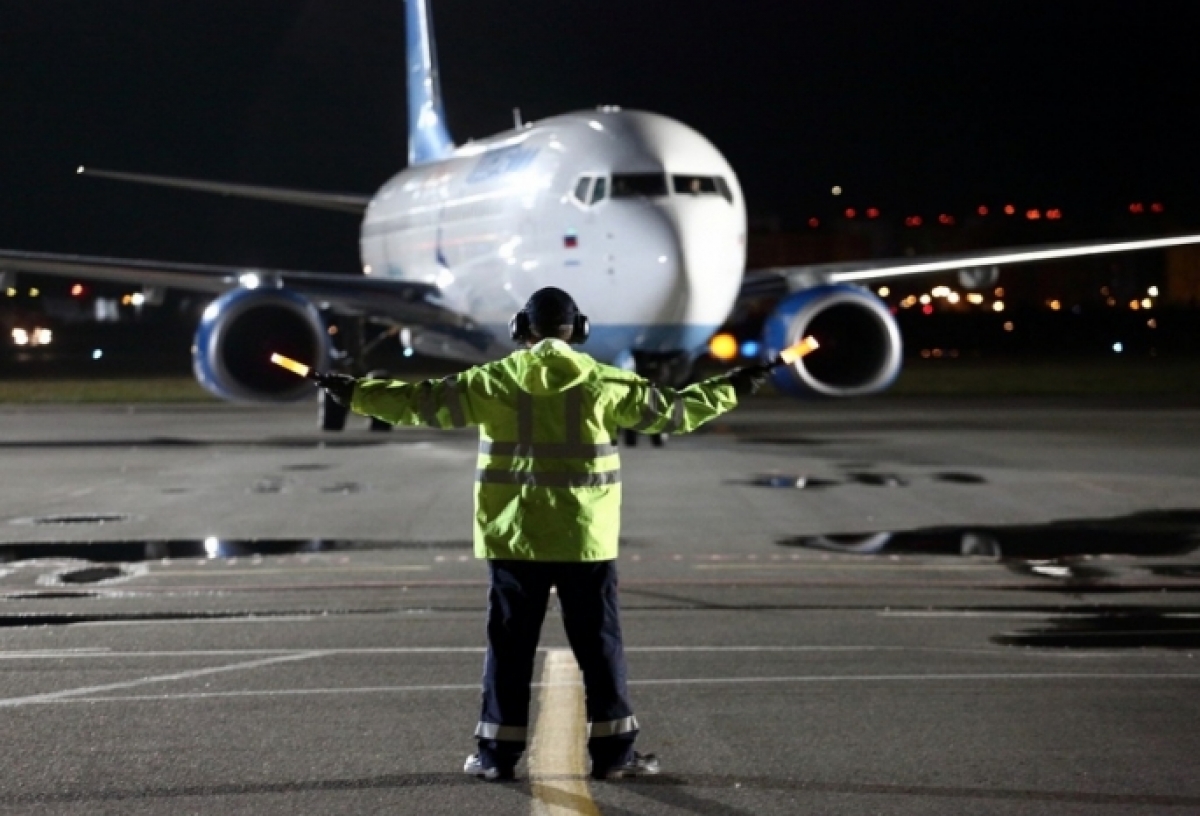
(882, 606)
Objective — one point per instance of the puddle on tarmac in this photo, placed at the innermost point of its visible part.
(861, 477)
(1157, 534)
(1133, 629)
(134, 551)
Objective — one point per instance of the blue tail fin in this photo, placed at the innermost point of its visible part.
(428, 139)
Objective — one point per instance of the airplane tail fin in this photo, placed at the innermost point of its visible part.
(428, 139)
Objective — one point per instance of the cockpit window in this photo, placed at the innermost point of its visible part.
(600, 190)
(581, 189)
(701, 186)
(638, 185)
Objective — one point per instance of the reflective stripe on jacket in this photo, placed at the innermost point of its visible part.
(548, 478)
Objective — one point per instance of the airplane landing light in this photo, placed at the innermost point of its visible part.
(723, 347)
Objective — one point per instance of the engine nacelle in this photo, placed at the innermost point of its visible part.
(231, 354)
(860, 351)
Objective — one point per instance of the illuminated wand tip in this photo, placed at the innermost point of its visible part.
(290, 365)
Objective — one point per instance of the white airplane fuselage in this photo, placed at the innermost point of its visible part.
(639, 217)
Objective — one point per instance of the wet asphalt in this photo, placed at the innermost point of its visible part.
(870, 607)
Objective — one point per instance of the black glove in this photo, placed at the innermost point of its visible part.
(339, 387)
(748, 380)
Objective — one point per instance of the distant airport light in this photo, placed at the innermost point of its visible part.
(998, 291)
(1054, 305)
(953, 297)
(1137, 207)
(908, 302)
(925, 353)
(1152, 291)
(20, 337)
(1111, 302)
(34, 292)
(975, 298)
(872, 212)
(937, 352)
(137, 298)
(750, 349)
(941, 291)
(814, 222)
(1033, 215)
(42, 337)
(1152, 323)
(912, 221)
(884, 291)
(77, 290)
(1054, 215)
(79, 170)
(97, 354)
(983, 210)
(1008, 325)
(925, 299)
(1118, 347)
(851, 212)
(1009, 209)
(212, 546)
(947, 220)
(927, 308)
(723, 347)
(12, 292)
(998, 306)
(1147, 303)
(1133, 304)
(1156, 207)
(836, 190)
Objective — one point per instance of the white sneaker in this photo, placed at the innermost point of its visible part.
(640, 765)
(474, 767)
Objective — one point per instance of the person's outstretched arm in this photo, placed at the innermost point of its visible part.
(651, 409)
(444, 403)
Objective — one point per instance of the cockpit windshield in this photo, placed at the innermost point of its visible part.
(639, 185)
(701, 186)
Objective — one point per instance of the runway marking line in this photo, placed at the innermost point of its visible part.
(557, 764)
(57, 696)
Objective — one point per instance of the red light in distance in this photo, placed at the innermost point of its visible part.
(982, 210)
(851, 212)
(912, 221)
(1033, 215)
(814, 222)
(1156, 207)
(927, 308)
(872, 212)
(77, 290)
(1009, 209)
(1137, 207)
(947, 220)
(1054, 215)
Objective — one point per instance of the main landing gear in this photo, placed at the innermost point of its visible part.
(352, 360)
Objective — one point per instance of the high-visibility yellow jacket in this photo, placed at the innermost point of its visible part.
(548, 482)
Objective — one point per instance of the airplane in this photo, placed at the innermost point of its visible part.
(637, 215)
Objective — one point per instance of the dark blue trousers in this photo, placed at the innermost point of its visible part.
(517, 599)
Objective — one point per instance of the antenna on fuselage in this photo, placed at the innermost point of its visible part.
(517, 123)
(428, 138)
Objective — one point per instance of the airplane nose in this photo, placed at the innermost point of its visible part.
(712, 257)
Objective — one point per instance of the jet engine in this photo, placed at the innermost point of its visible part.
(231, 354)
(860, 346)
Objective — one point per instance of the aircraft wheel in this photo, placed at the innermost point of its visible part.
(379, 425)
(658, 440)
(631, 438)
(330, 415)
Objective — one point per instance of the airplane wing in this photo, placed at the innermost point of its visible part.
(437, 329)
(781, 280)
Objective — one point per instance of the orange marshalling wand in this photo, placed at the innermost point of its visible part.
(290, 364)
(794, 352)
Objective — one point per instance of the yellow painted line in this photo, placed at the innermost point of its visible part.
(558, 754)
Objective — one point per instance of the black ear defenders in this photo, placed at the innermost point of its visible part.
(520, 329)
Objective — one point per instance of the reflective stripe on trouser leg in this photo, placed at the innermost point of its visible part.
(613, 728)
(505, 733)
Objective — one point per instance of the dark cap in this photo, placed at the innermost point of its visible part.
(551, 310)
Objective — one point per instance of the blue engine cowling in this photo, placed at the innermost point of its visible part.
(231, 354)
(860, 346)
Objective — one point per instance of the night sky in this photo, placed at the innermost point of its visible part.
(910, 106)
